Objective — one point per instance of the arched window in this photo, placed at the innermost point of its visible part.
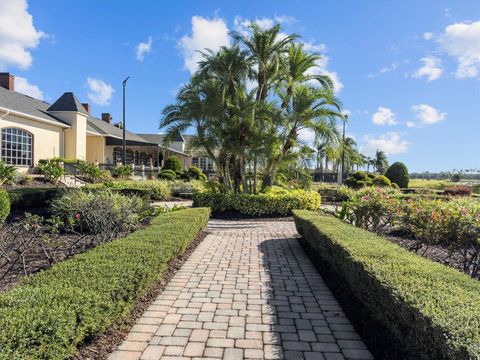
(17, 147)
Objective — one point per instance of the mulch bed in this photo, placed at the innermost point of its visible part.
(103, 345)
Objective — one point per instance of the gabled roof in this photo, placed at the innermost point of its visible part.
(154, 138)
(68, 102)
(25, 104)
(103, 128)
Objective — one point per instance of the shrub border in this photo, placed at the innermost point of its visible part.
(55, 311)
(425, 310)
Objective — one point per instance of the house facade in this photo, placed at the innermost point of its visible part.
(32, 130)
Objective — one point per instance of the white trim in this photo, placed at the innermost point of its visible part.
(32, 117)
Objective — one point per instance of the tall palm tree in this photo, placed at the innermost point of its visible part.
(266, 48)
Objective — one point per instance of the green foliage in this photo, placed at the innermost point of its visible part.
(122, 171)
(358, 180)
(53, 312)
(172, 163)
(430, 311)
(89, 171)
(381, 181)
(51, 170)
(456, 178)
(100, 212)
(195, 173)
(4, 206)
(183, 188)
(7, 173)
(167, 175)
(152, 189)
(398, 174)
(271, 203)
(32, 198)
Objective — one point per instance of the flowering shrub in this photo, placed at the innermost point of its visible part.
(103, 212)
(371, 209)
(459, 190)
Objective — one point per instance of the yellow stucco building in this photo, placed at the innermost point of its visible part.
(32, 130)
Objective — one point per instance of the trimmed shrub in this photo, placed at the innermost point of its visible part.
(398, 174)
(358, 180)
(172, 163)
(33, 198)
(151, 189)
(183, 188)
(51, 170)
(381, 181)
(4, 206)
(167, 175)
(281, 203)
(51, 313)
(427, 310)
(195, 172)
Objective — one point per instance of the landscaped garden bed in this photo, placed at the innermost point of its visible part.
(410, 307)
(51, 313)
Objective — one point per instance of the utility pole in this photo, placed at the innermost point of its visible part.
(124, 154)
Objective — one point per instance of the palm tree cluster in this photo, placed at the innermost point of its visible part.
(249, 104)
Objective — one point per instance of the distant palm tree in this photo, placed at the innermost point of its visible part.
(381, 162)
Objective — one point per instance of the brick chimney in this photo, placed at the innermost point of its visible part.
(87, 107)
(106, 117)
(7, 81)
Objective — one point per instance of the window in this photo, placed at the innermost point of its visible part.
(209, 164)
(17, 147)
(117, 154)
(203, 163)
(195, 161)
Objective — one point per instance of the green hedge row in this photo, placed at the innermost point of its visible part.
(261, 204)
(53, 312)
(30, 198)
(430, 310)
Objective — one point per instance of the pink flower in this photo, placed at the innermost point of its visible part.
(77, 216)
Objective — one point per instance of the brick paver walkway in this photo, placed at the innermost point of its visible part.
(247, 292)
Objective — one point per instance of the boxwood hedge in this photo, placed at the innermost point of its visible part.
(262, 204)
(51, 313)
(429, 311)
(30, 198)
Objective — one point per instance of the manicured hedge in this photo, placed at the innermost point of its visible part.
(4, 206)
(429, 310)
(51, 313)
(30, 198)
(261, 204)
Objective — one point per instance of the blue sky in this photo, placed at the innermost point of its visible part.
(408, 72)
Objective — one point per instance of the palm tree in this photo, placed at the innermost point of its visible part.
(266, 48)
(381, 162)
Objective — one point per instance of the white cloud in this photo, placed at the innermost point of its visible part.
(410, 124)
(241, 24)
(321, 69)
(428, 35)
(306, 135)
(428, 114)
(100, 92)
(17, 34)
(144, 48)
(384, 116)
(312, 47)
(461, 41)
(393, 66)
(431, 69)
(23, 86)
(206, 34)
(390, 143)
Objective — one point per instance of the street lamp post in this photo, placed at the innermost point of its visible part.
(124, 154)
(343, 146)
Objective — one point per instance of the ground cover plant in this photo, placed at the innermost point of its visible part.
(424, 309)
(53, 312)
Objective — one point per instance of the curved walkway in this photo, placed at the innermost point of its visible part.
(247, 292)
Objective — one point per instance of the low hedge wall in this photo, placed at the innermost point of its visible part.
(31, 198)
(51, 313)
(428, 310)
(261, 204)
